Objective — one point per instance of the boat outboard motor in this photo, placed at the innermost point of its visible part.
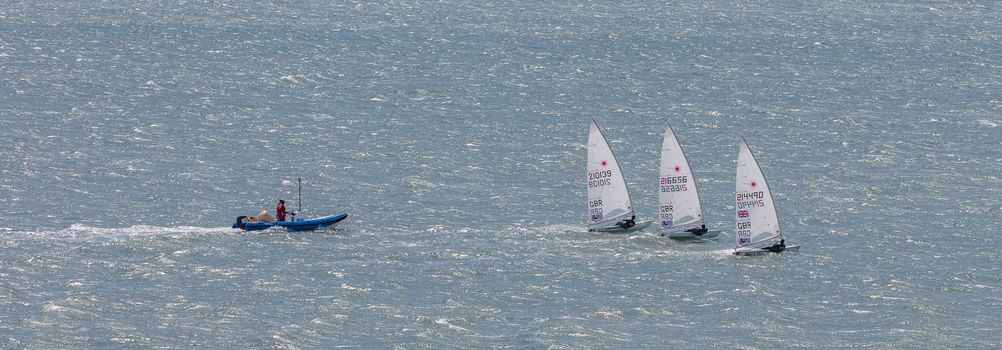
(242, 222)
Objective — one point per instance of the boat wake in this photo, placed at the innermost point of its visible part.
(84, 231)
(563, 228)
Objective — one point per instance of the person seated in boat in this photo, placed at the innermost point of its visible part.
(627, 223)
(699, 231)
(280, 210)
(263, 216)
(778, 247)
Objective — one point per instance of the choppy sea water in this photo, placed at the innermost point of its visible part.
(454, 134)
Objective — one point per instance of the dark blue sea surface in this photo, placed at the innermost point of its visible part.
(453, 132)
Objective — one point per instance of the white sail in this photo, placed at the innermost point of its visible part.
(755, 212)
(608, 196)
(678, 200)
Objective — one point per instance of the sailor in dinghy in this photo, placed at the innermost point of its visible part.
(610, 208)
(756, 220)
(680, 211)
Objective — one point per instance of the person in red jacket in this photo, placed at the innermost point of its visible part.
(280, 210)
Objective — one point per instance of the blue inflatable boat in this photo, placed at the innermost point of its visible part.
(297, 225)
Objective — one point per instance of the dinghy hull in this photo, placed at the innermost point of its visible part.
(764, 251)
(616, 229)
(682, 235)
(298, 225)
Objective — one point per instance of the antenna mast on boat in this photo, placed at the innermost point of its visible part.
(300, 194)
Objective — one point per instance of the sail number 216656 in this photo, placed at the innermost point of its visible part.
(668, 180)
(674, 183)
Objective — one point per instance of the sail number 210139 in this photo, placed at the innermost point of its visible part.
(600, 178)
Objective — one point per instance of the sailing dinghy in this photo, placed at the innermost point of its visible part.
(681, 216)
(756, 221)
(609, 204)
